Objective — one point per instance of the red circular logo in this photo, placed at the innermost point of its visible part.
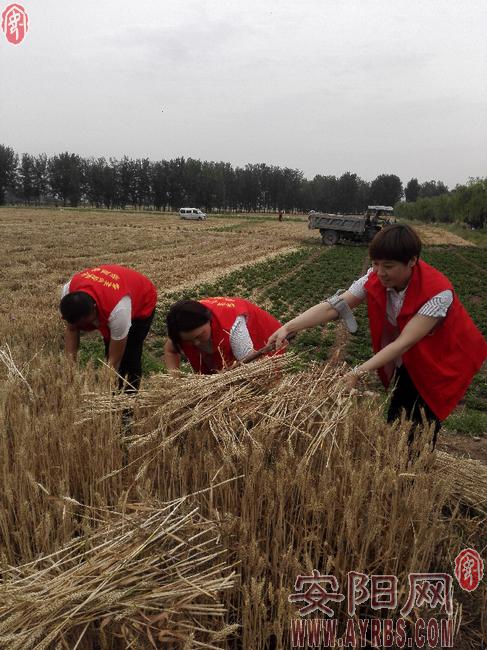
(15, 23)
(469, 569)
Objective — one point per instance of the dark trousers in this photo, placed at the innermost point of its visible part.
(405, 396)
(131, 363)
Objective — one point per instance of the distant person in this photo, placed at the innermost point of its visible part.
(120, 303)
(214, 333)
(280, 215)
(425, 344)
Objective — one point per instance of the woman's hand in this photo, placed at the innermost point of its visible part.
(351, 380)
(278, 338)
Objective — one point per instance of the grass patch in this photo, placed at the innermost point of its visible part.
(467, 421)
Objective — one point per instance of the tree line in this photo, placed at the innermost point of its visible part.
(466, 203)
(70, 179)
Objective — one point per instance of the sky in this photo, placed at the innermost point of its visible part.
(325, 86)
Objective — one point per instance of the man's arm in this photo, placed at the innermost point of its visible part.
(318, 315)
(172, 358)
(115, 352)
(71, 342)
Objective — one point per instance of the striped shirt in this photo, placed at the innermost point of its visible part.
(240, 340)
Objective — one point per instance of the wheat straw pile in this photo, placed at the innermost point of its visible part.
(152, 572)
(287, 472)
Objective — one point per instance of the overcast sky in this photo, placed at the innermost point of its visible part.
(326, 86)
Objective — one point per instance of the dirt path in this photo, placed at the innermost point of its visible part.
(464, 446)
(214, 276)
(431, 235)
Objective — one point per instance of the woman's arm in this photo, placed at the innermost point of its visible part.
(318, 315)
(172, 358)
(417, 328)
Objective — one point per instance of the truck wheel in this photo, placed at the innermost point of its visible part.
(329, 237)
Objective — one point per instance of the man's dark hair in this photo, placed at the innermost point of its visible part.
(395, 242)
(75, 306)
(184, 316)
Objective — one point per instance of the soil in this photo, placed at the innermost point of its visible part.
(463, 446)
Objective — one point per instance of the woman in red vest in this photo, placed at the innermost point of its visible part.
(120, 303)
(425, 343)
(214, 333)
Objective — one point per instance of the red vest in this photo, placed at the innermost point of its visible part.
(107, 284)
(224, 311)
(442, 364)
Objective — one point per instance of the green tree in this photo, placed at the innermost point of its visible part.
(324, 193)
(141, 187)
(41, 176)
(176, 182)
(66, 177)
(429, 189)
(347, 192)
(386, 189)
(411, 191)
(26, 177)
(8, 170)
(159, 184)
(94, 173)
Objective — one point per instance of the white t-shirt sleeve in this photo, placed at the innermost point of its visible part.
(120, 319)
(357, 288)
(65, 289)
(240, 340)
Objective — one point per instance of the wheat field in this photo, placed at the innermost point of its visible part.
(186, 525)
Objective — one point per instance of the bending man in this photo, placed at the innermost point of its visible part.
(120, 303)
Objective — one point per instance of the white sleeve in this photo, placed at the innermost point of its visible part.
(358, 287)
(65, 289)
(438, 305)
(240, 340)
(120, 319)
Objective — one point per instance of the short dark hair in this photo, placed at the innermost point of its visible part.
(395, 242)
(75, 306)
(184, 316)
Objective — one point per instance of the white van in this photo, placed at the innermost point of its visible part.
(192, 213)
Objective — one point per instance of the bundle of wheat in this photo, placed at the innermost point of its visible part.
(467, 478)
(296, 474)
(324, 483)
(153, 571)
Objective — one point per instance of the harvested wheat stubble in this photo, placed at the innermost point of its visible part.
(432, 235)
(154, 572)
(156, 245)
(324, 484)
(467, 478)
